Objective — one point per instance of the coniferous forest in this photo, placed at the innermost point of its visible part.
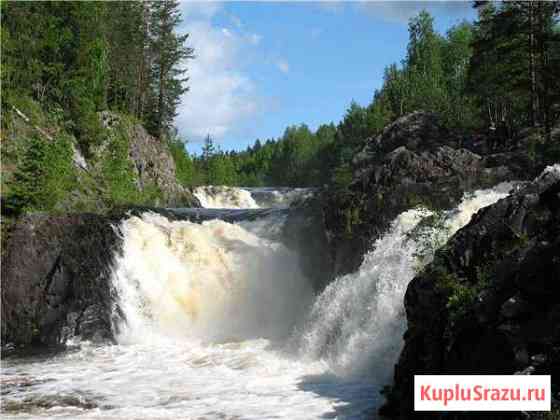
(65, 63)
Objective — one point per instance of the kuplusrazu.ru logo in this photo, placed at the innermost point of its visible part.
(481, 393)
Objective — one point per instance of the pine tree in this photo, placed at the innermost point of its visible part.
(510, 70)
(127, 40)
(459, 110)
(209, 149)
(169, 52)
(424, 69)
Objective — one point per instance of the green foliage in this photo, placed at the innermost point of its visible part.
(515, 53)
(460, 302)
(167, 64)
(44, 177)
(342, 176)
(117, 173)
(83, 120)
(184, 167)
(351, 219)
(91, 56)
(461, 295)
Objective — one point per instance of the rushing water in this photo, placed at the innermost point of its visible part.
(221, 324)
(222, 197)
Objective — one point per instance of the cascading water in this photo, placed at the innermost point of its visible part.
(357, 323)
(223, 197)
(213, 281)
(219, 322)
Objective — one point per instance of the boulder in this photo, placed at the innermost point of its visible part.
(413, 161)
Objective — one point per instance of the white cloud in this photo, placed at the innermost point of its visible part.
(398, 11)
(199, 9)
(221, 94)
(282, 65)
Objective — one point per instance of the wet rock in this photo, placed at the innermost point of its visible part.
(56, 279)
(414, 161)
(45, 402)
(304, 232)
(527, 371)
(538, 359)
(516, 307)
(507, 259)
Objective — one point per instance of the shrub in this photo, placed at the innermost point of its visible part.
(44, 177)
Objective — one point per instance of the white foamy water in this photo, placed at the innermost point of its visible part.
(268, 197)
(221, 324)
(224, 197)
(356, 324)
(211, 281)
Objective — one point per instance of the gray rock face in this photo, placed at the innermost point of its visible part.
(490, 301)
(56, 279)
(304, 232)
(414, 161)
(418, 132)
(152, 162)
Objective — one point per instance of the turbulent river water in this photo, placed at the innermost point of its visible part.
(220, 323)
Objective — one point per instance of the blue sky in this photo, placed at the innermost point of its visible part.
(261, 66)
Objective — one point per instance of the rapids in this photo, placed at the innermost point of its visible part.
(218, 322)
(223, 197)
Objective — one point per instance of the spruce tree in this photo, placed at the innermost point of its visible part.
(169, 53)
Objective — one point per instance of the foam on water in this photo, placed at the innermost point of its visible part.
(213, 281)
(224, 197)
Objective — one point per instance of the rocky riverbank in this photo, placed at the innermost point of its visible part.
(489, 303)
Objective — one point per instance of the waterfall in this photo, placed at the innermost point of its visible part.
(214, 281)
(222, 197)
(356, 324)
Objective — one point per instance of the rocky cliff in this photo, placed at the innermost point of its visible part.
(119, 164)
(413, 161)
(489, 303)
(151, 161)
